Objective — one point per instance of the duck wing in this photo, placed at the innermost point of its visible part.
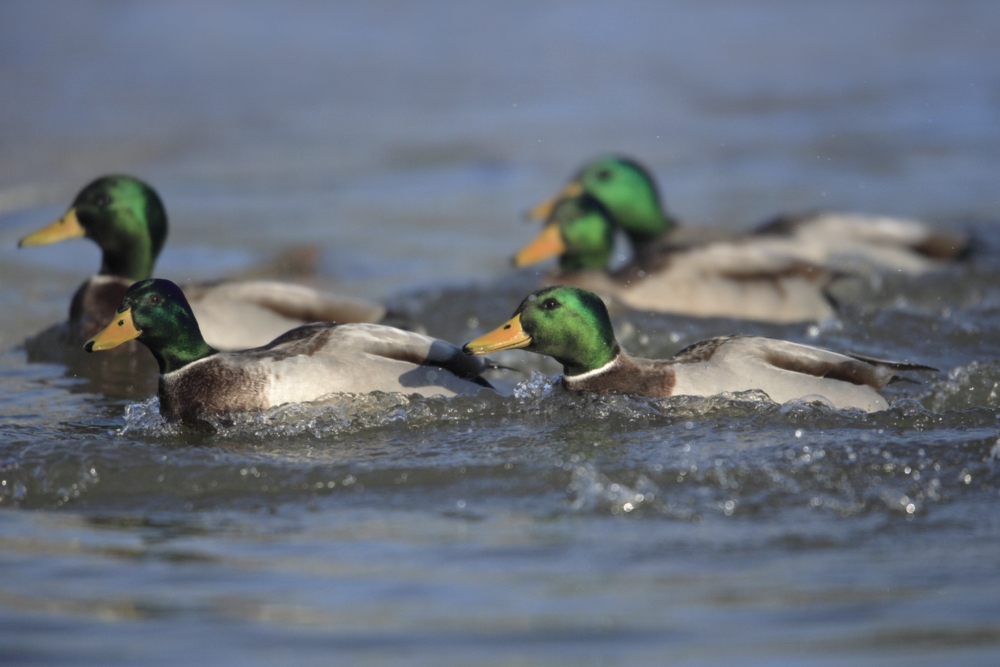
(415, 348)
(376, 341)
(746, 259)
(752, 260)
(702, 350)
(245, 314)
(840, 231)
(290, 300)
(820, 363)
(747, 280)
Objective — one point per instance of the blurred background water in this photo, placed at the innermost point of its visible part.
(402, 142)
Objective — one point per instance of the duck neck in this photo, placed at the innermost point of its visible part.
(589, 355)
(178, 346)
(595, 261)
(593, 373)
(134, 262)
(171, 360)
(130, 247)
(644, 222)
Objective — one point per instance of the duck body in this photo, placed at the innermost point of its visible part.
(860, 241)
(126, 218)
(572, 326)
(718, 280)
(838, 240)
(304, 364)
(754, 281)
(783, 370)
(314, 361)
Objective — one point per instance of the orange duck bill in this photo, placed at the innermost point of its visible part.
(121, 330)
(507, 336)
(547, 244)
(66, 227)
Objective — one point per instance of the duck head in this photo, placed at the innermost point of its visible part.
(578, 232)
(566, 323)
(626, 189)
(123, 215)
(156, 313)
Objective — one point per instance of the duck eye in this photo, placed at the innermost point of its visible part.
(155, 299)
(549, 304)
(102, 201)
(604, 175)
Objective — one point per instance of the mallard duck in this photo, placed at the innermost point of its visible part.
(837, 239)
(126, 218)
(304, 364)
(572, 326)
(740, 280)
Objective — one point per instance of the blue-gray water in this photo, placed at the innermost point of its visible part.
(404, 141)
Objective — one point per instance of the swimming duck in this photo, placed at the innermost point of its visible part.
(126, 218)
(741, 280)
(842, 240)
(572, 326)
(304, 364)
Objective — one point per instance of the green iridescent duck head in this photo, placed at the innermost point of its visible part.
(122, 215)
(578, 232)
(566, 323)
(626, 189)
(156, 313)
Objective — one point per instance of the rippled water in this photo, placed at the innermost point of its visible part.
(537, 526)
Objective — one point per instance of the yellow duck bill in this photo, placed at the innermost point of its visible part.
(507, 336)
(544, 210)
(547, 244)
(66, 227)
(121, 330)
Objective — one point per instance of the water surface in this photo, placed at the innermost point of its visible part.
(402, 143)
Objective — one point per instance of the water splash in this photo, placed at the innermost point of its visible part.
(590, 490)
(973, 385)
(540, 398)
(145, 418)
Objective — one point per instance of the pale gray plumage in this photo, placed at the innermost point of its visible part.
(783, 370)
(317, 360)
(744, 280)
(243, 314)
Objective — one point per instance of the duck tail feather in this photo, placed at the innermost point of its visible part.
(892, 365)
